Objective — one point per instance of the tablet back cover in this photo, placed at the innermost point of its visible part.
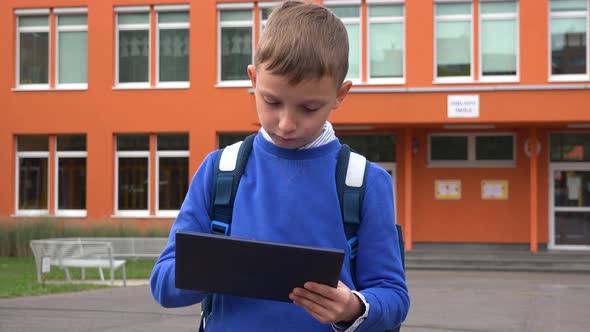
(259, 269)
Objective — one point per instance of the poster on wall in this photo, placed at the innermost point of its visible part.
(447, 189)
(494, 189)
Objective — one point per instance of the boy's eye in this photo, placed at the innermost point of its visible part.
(310, 109)
(270, 101)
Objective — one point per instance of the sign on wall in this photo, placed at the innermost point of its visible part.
(494, 189)
(463, 106)
(447, 189)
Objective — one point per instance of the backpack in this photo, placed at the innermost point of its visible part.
(351, 170)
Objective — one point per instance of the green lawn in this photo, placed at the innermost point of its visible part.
(18, 277)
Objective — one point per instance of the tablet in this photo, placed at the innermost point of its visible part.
(250, 268)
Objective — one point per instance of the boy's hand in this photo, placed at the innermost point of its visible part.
(328, 304)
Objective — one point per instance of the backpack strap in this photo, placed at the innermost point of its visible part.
(351, 171)
(228, 169)
(229, 166)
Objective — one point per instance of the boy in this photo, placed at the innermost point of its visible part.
(288, 194)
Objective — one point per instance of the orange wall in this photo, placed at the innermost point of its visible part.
(203, 110)
(472, 219)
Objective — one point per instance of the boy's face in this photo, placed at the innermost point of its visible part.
(294, 115)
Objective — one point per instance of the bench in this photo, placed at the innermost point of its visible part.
(95, 252)
(78, 253)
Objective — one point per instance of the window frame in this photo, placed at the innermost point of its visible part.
(453, 18)
(261, 7)
(61, 12)
(170, 26)
(570, 14)
(65, 155)
(22, 155)
(166, 154)
(33, 12)
(234, 24)
(131, 154)
(360, 21)
(471, 161)
(388, 19)
(499, 17)
(132, 27)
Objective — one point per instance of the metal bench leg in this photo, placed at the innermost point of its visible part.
(124, 277)
(101, 273)
(68, 274)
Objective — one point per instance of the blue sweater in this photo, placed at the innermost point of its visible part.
(290, 196)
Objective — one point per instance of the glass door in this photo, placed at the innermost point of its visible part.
(570, 206)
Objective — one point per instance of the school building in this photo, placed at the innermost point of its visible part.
(480, 109)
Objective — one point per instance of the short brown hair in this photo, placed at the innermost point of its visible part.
(303, 41)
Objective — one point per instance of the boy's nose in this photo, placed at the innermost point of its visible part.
(287, 122)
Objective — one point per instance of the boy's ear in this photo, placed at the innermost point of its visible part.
(252, 75)
(342, 93)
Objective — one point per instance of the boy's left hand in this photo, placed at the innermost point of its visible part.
(328, 304)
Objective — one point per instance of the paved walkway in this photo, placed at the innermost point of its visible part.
(441, 301)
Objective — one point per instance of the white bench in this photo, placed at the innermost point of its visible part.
(77, 253)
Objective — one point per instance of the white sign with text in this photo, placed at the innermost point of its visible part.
(463, 106)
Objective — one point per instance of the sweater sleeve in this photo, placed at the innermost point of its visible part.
(379, 272)
(193, 216)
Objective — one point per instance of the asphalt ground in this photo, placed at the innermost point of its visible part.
(464, 301)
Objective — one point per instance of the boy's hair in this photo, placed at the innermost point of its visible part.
(303, 41)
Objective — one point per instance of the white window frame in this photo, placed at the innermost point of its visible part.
(500, 17)
(352, 20)
(471, 161)
(391, 19)
(66, 155)
(132, 27)
(166, 154)
(234, 24)
(23, 155)
(61, 12)
(453, 18)
(571, 14)
(166, 26)
(261, 7)
(132, 154)
(32, 12)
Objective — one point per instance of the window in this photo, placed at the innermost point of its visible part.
(265, 10)
(135, 171)
(386, 42)
(471, 150)
(453, 42)
(570, 147)
(172, 171)
(67, 39)
(71, 175)
(32, 48)
(569, 40)
(133, 46)
(235, 42)
(498, 40)
(351, 17)
(72, 47)
(31, 178)
(173, 45)
(225, 139)
(375, 147)
(132, 168)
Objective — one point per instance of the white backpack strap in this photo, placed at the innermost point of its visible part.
(355, 172)
(229, 157)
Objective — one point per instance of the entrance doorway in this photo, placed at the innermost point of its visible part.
(570, 206)
(569, 191)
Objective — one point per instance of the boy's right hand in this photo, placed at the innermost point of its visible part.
(328, 304)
